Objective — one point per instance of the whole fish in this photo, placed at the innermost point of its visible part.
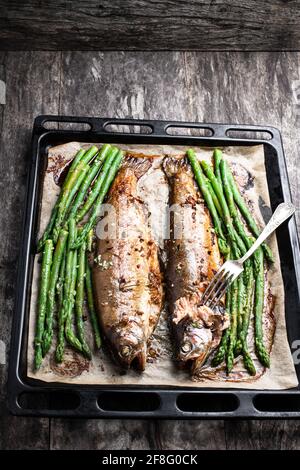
(193, 259)
(126, 275)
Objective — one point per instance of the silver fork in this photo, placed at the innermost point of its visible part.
(231, 269)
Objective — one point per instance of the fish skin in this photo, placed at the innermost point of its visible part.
(192, 261)
(128, 292)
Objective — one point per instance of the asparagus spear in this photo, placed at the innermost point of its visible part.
(100, 181)
(90, 298)
(79, 300)
(248, 363)
(221, 352)
(233, 327)
(69, 288)
(219, 193)
(68, 197)
(200, 178)
(248, 272)
(69, 305)
(88, 180)
(47, 234)
(224, 170)
(214, 198)
(72, 187)
(72, 233)
(247, 215)
(104, 188)
(233, 236)
(57, 258)
(89, 241)
(76, 160)
(261, 351)
(240, 315)
(60, 347)
(42, 301)
(217, 157)
(54, 212)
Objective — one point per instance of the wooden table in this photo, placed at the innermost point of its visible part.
(254, 88)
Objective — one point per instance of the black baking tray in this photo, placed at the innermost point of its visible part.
(35, 398)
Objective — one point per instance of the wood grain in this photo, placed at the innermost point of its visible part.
(103, 434)
(220, 87)
(150, 25)
(32, 88)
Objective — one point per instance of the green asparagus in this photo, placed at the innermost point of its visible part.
(200, 178)
(70, 189)
(42, 301)
(99, 183)
(90, 298)
(233, 236)
(217, 157)
(215, 199)
(57, 258)
(48, 231)
(233, 327)
(89, 241)
(221, 352)
(105, 149)
(72, 233)
(69, 306)
(79, 300)
(241, 345)
(240, 315)
(219, 193)
(224, 168)
(247, 313)
(67, 197)
(104, 189)
(247, 215)
(60, 347)
(260, 348)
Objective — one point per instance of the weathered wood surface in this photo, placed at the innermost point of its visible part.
(32, 88)
(150, 25)
(238, 87)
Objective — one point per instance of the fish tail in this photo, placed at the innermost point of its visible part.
(172, 165)
(138, 165)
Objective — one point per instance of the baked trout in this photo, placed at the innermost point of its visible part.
(126, 275)
(193, 259)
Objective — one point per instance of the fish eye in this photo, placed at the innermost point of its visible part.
(186, 347)
(125, 351)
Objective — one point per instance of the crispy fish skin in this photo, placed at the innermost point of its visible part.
(193, 259)
(127, 278)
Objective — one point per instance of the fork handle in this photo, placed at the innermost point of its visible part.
(282, 212)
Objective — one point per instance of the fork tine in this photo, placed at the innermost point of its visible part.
(211, 286)
(216, 289)
(219, 288)
(217, 299)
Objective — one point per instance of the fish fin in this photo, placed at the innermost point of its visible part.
(199, 362)
(172, 165)
(140, 360)
(139, 165)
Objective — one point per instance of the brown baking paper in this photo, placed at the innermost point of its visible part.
(161, 368)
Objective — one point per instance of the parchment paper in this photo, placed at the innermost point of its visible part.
(161, 368)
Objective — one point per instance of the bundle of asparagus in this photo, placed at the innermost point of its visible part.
(246, 294)
(65, 244)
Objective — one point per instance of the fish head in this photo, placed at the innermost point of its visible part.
(194, 341)
(130, 347)
(194, 324)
